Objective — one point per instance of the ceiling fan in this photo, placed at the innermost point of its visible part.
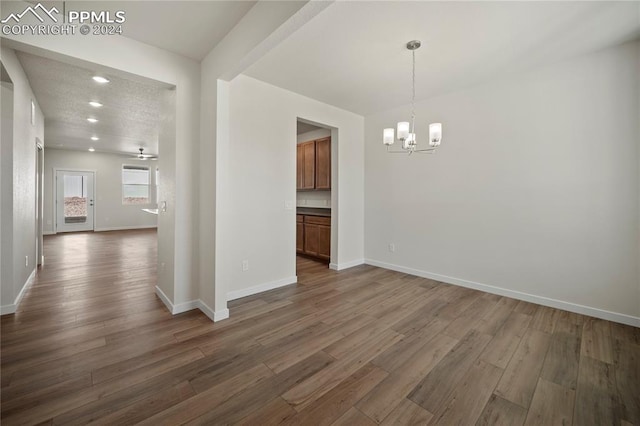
(142, 156)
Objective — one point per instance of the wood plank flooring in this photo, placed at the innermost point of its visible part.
(92, 343)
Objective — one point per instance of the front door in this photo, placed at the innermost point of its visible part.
(74, 201)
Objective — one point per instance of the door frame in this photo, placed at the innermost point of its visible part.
(335, 140)
(55, 193)
(39, 202)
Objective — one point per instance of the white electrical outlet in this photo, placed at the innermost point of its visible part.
(245, 265)
(288, 205)
(26, 261)
(162, 264)
(392, 247)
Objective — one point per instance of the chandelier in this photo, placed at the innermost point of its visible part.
(406, 130)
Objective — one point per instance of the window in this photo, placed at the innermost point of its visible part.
(135, 185)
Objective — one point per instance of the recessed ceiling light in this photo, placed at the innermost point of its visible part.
(92, 120)
(95, 138)
(95, 104)
(91, 149)
(100, 79)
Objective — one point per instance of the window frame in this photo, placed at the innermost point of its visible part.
(148, 184)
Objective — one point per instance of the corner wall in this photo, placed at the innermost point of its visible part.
(261, 178)
(534, 192)
(22, 222)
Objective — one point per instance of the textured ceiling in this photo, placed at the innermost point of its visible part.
(353, 55)
(128, 118)
(188, 28)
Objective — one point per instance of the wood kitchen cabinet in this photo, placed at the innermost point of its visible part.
(315, 235)
(306, 165)
(299, 233)
(323, 163)
(313, 165)
(324, 241)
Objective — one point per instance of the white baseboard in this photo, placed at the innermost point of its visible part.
(238, 294)
(11, 309)
(190, 305)
(220, 315)
(49, 233)
(163, 297)
(214, 316)
(124, 228)
(540, 300)
(346, 265)
(185, 306)
(209, 312)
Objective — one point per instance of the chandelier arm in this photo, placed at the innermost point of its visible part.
(426, 151)
(396, 152)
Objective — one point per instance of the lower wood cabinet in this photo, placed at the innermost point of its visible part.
(314, 236)
(299, 233)
(324, 242)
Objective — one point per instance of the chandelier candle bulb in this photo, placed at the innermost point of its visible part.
(388, 136)
(435, 134)
(403, 130)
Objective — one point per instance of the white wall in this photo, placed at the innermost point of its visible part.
(315, 199)
(262, 28)
(110, 213)
(534, 190)
(6, 200)
(24, 190)
(261, 175)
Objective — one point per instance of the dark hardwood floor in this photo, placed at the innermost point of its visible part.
(91, 342)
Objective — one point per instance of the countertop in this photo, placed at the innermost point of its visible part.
(311, 211)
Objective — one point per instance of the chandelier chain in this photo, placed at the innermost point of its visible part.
(413, 93)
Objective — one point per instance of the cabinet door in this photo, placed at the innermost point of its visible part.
(324, 242)
(323, 163)
(311, 239)
(309, 174)
(299, 237)
(300, 167)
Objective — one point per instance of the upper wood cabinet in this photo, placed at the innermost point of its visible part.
(300, 167)
(323, 163)
(313, 165)
(306, 165)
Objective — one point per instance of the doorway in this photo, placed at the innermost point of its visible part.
(315, 178)
(74, 200)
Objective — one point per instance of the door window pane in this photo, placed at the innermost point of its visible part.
(75, 199)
